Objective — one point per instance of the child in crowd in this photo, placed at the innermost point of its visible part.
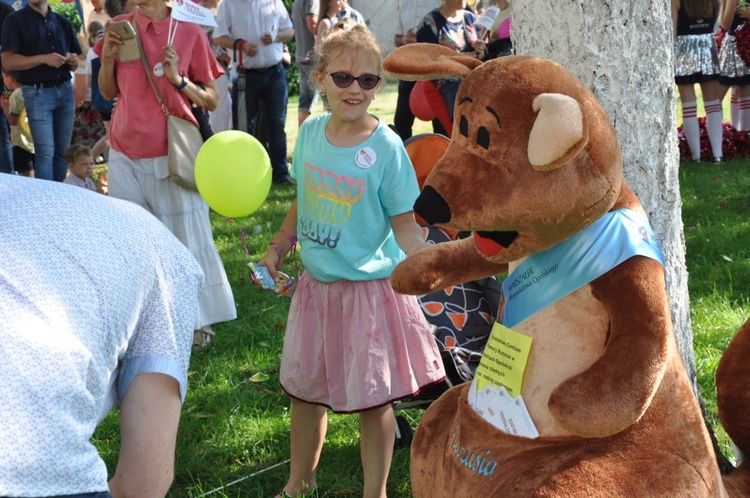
(80, 166)
(352, 343)
(20, 133)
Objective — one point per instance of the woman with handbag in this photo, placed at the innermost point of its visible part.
(157, 88)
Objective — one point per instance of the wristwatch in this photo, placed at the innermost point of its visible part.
(183, 84)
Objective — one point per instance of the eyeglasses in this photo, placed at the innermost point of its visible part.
(345, 80)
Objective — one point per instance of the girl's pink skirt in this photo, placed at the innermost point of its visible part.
(353, 346)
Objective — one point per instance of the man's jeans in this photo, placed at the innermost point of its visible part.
(271, 87)
(50, 112)
(6, 156)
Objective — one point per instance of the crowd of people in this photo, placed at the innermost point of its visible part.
(257, 67)
(113, 317)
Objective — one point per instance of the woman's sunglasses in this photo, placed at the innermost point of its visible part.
(345, 80)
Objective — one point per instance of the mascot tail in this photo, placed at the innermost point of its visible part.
(733, 400)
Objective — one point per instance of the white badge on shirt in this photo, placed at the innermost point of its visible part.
(158, 69)
(365, 157)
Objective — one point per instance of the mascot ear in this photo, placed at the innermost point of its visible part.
(559, 132)
(428, 61)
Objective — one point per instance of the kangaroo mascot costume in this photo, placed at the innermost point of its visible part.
(534, 171)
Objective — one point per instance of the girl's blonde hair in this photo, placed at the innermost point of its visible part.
(345, 36)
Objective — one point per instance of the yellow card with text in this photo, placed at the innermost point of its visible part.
(504, 360)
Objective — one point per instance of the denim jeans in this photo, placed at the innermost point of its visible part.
(308, 91)
(50, 112)
(6, 157)
(271, 87)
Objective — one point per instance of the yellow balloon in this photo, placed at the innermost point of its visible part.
(233, 173)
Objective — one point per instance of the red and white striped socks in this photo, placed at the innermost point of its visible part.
(734, 109)
(714, 116)
(692, 132)
(744, 103)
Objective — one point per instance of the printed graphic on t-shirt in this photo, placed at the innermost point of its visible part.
(328, 204)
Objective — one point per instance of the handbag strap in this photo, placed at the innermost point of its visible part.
(147, 66)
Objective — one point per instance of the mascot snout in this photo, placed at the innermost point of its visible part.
(431, 206)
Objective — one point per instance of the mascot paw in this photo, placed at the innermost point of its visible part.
(416, 275)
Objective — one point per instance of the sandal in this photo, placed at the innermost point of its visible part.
(203, 336)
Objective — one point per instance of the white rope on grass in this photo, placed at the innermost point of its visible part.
(243, 478)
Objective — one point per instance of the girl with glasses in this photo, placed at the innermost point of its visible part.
(352, 344)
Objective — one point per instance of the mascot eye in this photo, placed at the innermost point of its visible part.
(483, 137)
(464, 126)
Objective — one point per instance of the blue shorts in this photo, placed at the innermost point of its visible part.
(308, 91)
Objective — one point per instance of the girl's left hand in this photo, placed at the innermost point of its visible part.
(171, 64)
(743, 12)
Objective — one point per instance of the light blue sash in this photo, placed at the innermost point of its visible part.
(545, 277)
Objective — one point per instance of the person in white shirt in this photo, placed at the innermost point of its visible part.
(257, 30)
(91, 317)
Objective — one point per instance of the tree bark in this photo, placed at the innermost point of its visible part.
(624, 52)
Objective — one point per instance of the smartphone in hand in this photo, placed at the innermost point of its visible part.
(128, 51)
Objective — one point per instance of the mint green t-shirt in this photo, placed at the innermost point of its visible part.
(345, 198)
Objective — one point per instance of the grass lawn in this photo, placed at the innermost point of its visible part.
(234, 428)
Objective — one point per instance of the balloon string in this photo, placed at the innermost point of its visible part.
(247, 252)
(242, 231)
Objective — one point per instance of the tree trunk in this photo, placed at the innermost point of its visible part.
(623, 51)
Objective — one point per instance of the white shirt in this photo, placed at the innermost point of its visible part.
(411, 13)
(86, 183)
(84, 310)
(250, 20)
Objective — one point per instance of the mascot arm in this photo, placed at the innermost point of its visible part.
(442, 265)
(616, 390)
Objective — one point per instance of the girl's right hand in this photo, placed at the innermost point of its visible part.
(273, 261)
(109, 48)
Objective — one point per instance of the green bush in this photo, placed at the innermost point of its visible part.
(69, 12)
